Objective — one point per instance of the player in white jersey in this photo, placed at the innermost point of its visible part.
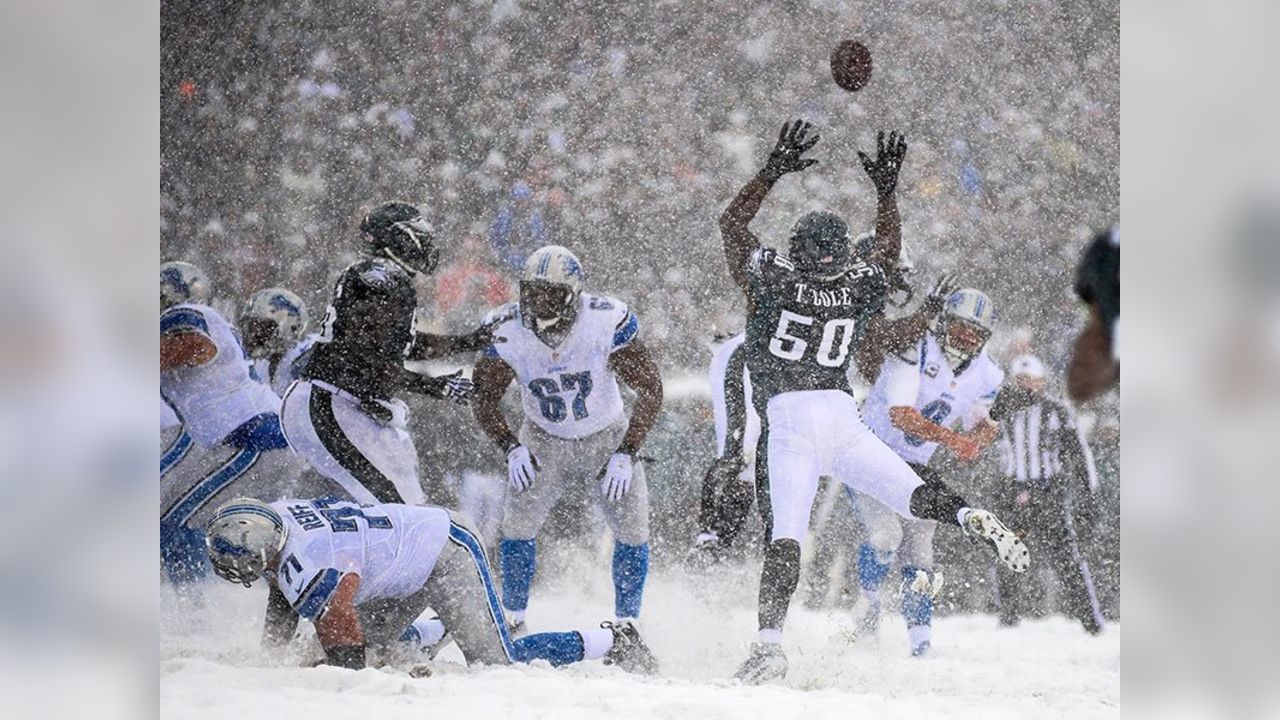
(233, 444)
(363, 573)
(271, 324)
(566, 350)
(919, 397)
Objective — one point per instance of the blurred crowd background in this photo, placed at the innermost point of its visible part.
(622, 130)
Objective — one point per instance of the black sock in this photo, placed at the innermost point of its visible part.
(935, 501)
(778, 582)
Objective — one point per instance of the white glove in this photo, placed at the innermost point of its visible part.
(521, 468)
(616, 476)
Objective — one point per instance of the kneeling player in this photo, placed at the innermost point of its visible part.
(364, 573)
(920, 394)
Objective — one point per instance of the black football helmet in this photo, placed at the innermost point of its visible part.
(821, 246)
(399, 232)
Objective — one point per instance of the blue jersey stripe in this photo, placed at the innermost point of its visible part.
(626, 331)
(313, 600)
(466, 539)
(211, 485)
(183, 319)
(177, 450)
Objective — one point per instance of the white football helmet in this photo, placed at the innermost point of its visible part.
(244, 537)
(279, 308)
(551, 285)
(182, 282)
(965, 325)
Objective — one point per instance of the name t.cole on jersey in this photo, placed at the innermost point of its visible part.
(843, 296)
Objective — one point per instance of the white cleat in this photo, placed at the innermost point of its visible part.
(1008, 546)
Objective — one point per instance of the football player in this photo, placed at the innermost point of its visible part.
(807, 315)
(271, 325)
(1095, 361)
(231, 443)
(920, 395)
(362, 574)
(343, 414)
(567, 350)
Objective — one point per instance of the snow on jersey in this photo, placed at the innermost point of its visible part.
(393, 548)
(924, 379)
(568, 390)
(802, 332)
(215, 398)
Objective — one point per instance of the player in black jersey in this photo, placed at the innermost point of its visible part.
(343, 413)
(808, 315)
(1095, 361)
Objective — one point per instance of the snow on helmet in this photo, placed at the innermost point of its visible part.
(820, 245)
(280, 312)
(243, 537)
(182, 282)
(399, 232)
(975, 311)
(551, 285)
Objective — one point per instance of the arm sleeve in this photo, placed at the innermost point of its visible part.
(626, 329)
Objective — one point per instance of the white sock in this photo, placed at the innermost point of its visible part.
(513, 616)
(596, 643)
(771, 636)
(963, 515)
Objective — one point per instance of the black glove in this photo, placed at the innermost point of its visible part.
(456, 387)
(884, 169)
(793, 142)
(478, 339)
(942, 289)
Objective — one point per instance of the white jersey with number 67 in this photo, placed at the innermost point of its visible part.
(568, 390)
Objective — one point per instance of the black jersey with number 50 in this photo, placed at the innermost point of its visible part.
(803, 331)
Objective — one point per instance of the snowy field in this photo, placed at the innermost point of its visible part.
(211, 666)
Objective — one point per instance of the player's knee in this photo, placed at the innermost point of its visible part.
(885, 536)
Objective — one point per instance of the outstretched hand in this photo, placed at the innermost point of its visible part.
(887, 163)
(793, 142)
(942, 289)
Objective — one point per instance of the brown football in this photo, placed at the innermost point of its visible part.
(851, 65)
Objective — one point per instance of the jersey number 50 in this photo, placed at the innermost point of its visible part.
(833, 349)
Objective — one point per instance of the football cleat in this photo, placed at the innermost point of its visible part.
(766, 663)
(629, 651)
(1008, 546)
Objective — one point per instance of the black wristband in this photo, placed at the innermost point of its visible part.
(347, 656)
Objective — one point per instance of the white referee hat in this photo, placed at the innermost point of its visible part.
(1028, 366)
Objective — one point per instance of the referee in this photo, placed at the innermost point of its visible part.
(1047, 496)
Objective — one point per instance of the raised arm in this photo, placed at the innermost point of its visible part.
(891, 337)
(739, 241)
(883, 171)
(427, 346)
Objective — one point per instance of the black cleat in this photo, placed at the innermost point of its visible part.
(766, 663)
(629, 651)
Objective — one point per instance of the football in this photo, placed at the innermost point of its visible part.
(851, 65)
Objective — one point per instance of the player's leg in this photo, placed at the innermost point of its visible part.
(865, 463)
(718, 511)
(789, 457)
(877, 555)
(524, 514)
(189, 490)
(627, 518)
(372, 460)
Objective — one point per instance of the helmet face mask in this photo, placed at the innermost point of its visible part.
(244, 539)
(272, 320)
(965, 325)
(820, 246)
(399, 232)
(550, 288)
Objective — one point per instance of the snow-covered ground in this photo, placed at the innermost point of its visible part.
(211, 667)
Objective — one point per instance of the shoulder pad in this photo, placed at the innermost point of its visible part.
(183, 319)
(376, 274)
